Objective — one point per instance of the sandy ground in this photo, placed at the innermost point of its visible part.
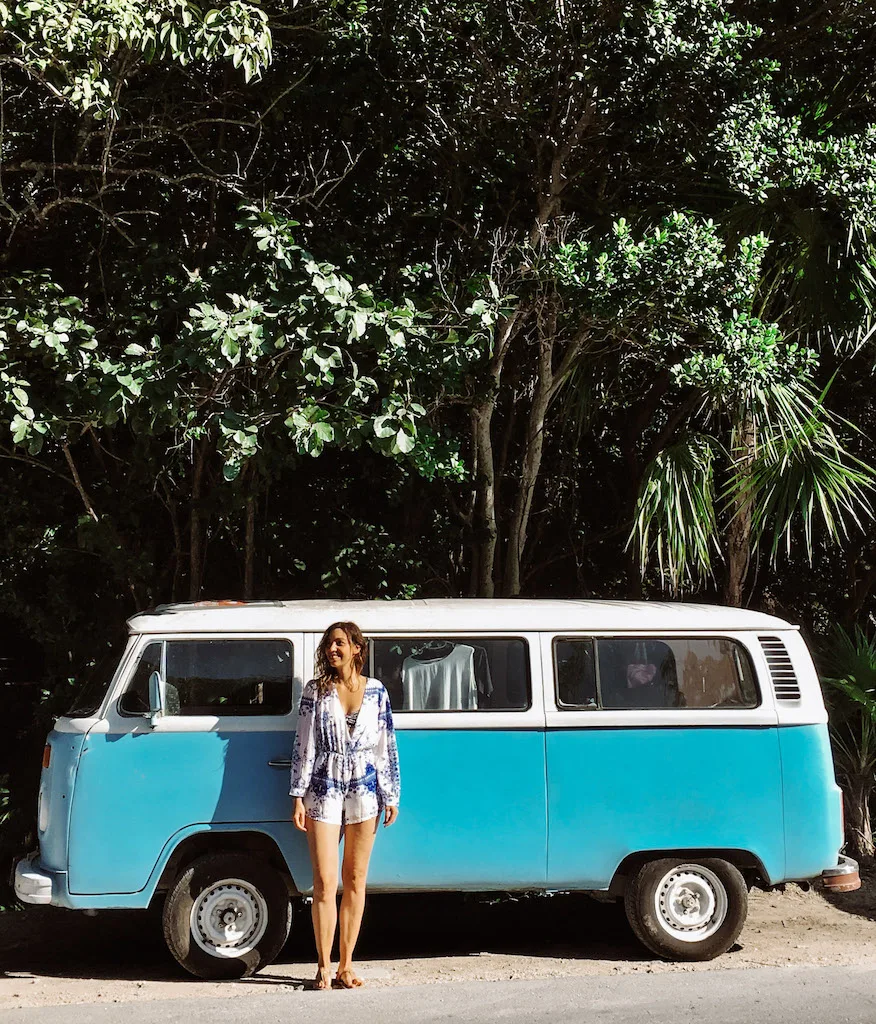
(52, 957)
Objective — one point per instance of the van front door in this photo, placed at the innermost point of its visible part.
(230, 711)
(469, 718)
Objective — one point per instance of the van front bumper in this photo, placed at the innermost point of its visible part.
(31, 884)
(844, 877)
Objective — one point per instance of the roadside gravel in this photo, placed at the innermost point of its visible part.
(51, 957)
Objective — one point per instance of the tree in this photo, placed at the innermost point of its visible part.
(851, 690)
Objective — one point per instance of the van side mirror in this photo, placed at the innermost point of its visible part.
(156, 697)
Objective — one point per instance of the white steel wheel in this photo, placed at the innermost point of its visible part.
(690, 902)
(229, 918)
(687, 910)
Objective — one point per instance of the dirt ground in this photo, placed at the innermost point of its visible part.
(51, 957)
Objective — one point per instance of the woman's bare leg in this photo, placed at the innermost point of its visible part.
(322, 840)
(358, 842)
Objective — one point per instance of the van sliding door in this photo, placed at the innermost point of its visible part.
(469, 719)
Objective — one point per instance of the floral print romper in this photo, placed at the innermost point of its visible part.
(345, 776)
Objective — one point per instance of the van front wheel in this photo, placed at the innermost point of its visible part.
(227, 916)
(687, 910)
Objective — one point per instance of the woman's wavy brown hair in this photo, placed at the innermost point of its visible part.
(325, 674)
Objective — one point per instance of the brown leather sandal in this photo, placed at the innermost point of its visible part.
(322, 981)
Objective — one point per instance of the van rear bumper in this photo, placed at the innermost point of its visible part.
(31, 884)
(844, 877)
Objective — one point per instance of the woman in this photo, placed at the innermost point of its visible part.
(344, 772)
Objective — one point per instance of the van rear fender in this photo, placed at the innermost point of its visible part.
(750, 865)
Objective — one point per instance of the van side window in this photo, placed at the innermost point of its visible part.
(217, 677)
(575, 673)
(135, 699)
(453, 674)
(231, 677)
(652, 672)
(638, 674)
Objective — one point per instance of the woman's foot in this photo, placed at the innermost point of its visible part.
(346, 978)
(323, 978)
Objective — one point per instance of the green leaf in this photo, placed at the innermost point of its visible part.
(385, 426)
(404, 442)
(231, 349)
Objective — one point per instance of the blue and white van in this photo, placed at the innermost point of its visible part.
(671, 755)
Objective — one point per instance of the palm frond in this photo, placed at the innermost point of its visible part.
(675, 511)
(800, 478)
(850, 656)
(849, 680)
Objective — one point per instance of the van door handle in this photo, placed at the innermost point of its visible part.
(280, 763)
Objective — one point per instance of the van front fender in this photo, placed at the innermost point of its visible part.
(275, 841)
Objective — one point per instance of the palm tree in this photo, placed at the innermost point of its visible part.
(849, 662)
(759, 459)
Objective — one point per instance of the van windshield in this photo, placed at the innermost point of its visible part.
(98, 675)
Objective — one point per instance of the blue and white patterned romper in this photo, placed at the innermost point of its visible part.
(345, 777)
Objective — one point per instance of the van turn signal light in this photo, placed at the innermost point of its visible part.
(47, 755)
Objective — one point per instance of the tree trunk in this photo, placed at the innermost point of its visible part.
(859, 825)
(484, 520)
(532, 452)
(249, 549)
(484, 525)
(196, 534)
(177, 549)
(739, 528)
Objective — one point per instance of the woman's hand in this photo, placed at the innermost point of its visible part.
(389, 815)
(299, 817)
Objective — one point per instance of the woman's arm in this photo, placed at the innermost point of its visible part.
(304, 748)
(386, 760)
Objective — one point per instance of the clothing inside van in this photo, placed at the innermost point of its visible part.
(458, 674)
(445, 683)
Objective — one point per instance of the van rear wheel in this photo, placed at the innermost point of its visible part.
(684, 910)
(227, 916)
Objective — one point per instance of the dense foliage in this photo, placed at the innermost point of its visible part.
(384, 299)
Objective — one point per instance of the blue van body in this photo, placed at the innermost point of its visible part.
(537, 799)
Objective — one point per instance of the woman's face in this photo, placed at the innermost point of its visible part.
(339, 651)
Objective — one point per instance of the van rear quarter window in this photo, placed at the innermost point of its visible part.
(453, 673)
(653, 672)
(215, 677)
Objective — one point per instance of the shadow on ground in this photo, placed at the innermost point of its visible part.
(128, 945)
(862, 902)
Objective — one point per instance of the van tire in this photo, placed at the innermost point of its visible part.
(718, 899)
(229, 883)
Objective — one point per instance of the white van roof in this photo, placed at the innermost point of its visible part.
(448, 614)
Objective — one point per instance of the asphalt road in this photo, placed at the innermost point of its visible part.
(815, 995)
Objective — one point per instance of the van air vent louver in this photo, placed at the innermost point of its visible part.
(784, 679)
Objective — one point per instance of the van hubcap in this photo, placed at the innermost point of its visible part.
(229, 918)
(691, 902)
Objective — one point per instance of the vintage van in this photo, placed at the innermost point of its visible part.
(671, 755)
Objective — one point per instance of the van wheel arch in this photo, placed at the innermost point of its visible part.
(750, 866)
(257, 844)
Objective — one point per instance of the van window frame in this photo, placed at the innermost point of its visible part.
(594, 639)
(129, 675)
(458, 635)
(165, 639)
